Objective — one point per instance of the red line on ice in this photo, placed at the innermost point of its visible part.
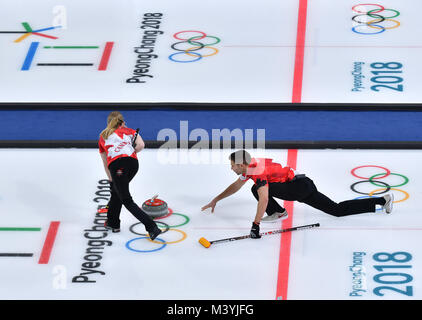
(49, 242)
(286, 239)
(300, 52)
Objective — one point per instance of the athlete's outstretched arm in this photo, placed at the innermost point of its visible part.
(231, 189)
(262, 203)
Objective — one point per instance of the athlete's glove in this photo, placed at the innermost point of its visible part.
(255, 231)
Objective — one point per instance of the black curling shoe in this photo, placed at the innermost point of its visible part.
(114, 230)
(154, 233)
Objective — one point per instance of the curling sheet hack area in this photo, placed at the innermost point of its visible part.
(53, 246)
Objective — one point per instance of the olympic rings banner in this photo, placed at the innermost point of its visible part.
(371, 22)
(164, 227)
(381, 187)
(194, 45)
(237, 51)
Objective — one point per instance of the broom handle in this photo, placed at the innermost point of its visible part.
(309, 226)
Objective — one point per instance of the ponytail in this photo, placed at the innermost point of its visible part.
(114, 120)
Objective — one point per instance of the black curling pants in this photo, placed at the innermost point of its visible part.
(304, 190)
(122, 172)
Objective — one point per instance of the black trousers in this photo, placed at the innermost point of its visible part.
(304, 190)
(122, 172)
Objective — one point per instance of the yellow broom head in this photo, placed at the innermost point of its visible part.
(205, 242)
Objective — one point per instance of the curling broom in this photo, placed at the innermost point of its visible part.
(207, 243)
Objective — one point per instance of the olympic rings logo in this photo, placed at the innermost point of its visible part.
(369, 19)
(191, 42)
(165, 227)
(382, 186)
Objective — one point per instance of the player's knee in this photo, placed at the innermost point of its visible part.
(336, 214)
(334, 211)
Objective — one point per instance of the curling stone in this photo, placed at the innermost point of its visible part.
(155, 207)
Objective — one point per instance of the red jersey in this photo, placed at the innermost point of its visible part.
(263, 171)
(118, 144)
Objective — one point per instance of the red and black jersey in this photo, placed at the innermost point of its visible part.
(263, 171)
(118, 144)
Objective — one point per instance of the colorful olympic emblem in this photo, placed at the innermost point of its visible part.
(165, 227)
(374, 19)
(193, 46)
(382, 186)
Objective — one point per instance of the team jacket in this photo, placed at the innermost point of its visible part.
(263, 171)
(118, 144)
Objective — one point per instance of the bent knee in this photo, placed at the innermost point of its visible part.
(335, 212)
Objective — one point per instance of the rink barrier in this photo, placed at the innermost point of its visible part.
(323, 144)
(195, 106)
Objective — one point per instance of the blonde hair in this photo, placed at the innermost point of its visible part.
(114, 120)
